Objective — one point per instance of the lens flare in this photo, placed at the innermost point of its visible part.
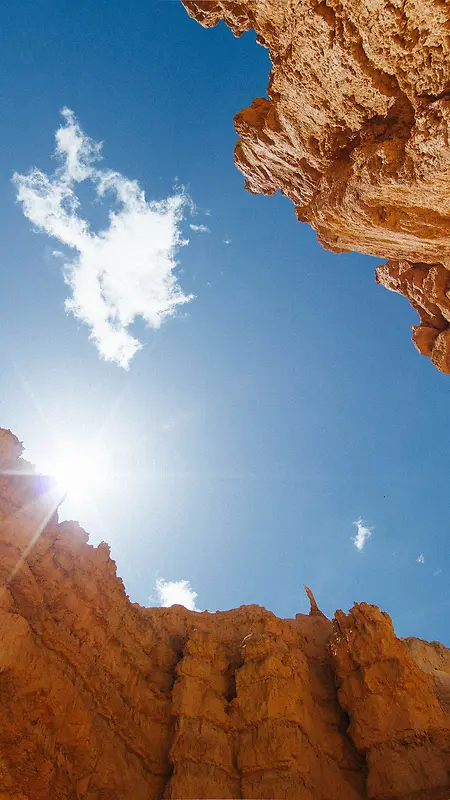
(78, 470)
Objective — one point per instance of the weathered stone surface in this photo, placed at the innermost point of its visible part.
(433, 659)
(103, 699)
(396, 719)
(355, 129)
(427, 288)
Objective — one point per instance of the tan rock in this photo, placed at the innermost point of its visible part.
(103, 699)
(355, 131)
(396, 718)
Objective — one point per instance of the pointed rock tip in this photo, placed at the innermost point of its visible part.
(314, 609)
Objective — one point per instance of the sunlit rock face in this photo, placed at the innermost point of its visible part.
(103, 699)
(356, 132)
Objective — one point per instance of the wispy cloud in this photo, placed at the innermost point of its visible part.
(363, 533)
(420, 559)
(200, 228)
(118, 274)
(168, 593)
(437, 571)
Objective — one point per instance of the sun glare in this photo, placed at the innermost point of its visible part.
(78, 471)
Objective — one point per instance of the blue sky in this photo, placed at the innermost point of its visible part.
(280, 405)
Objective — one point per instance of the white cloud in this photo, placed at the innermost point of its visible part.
(420, 559)
(437, 571)
(170, 592)
(363, 533)
(123, 272)
(227, 241)
(200, 228)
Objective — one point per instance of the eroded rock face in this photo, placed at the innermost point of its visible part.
(103, 699)
(356, 128)
(396, 718)
(426, 287)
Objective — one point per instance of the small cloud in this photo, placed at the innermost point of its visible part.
(420, 559)
(227, 241)
(437, 571)
(363, 533)
(123, 272)
(200, 228)
(170, 593)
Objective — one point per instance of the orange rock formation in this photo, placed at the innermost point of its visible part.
(356, 132)
(102, 699)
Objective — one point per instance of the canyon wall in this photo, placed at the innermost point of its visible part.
(103, 699)
(355, 130)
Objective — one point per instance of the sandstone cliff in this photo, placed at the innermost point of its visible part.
(356, 133)
(103, 699)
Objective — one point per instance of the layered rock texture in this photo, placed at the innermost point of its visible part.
(355, 130)
(103, 699)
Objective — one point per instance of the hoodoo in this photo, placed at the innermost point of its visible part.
(101, 698)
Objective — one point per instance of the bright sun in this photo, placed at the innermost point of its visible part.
(78, 470)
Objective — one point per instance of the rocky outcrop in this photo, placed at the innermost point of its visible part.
(103, 699)
(426, 288)
(355, 130)
(434, 659)
(396, 718)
